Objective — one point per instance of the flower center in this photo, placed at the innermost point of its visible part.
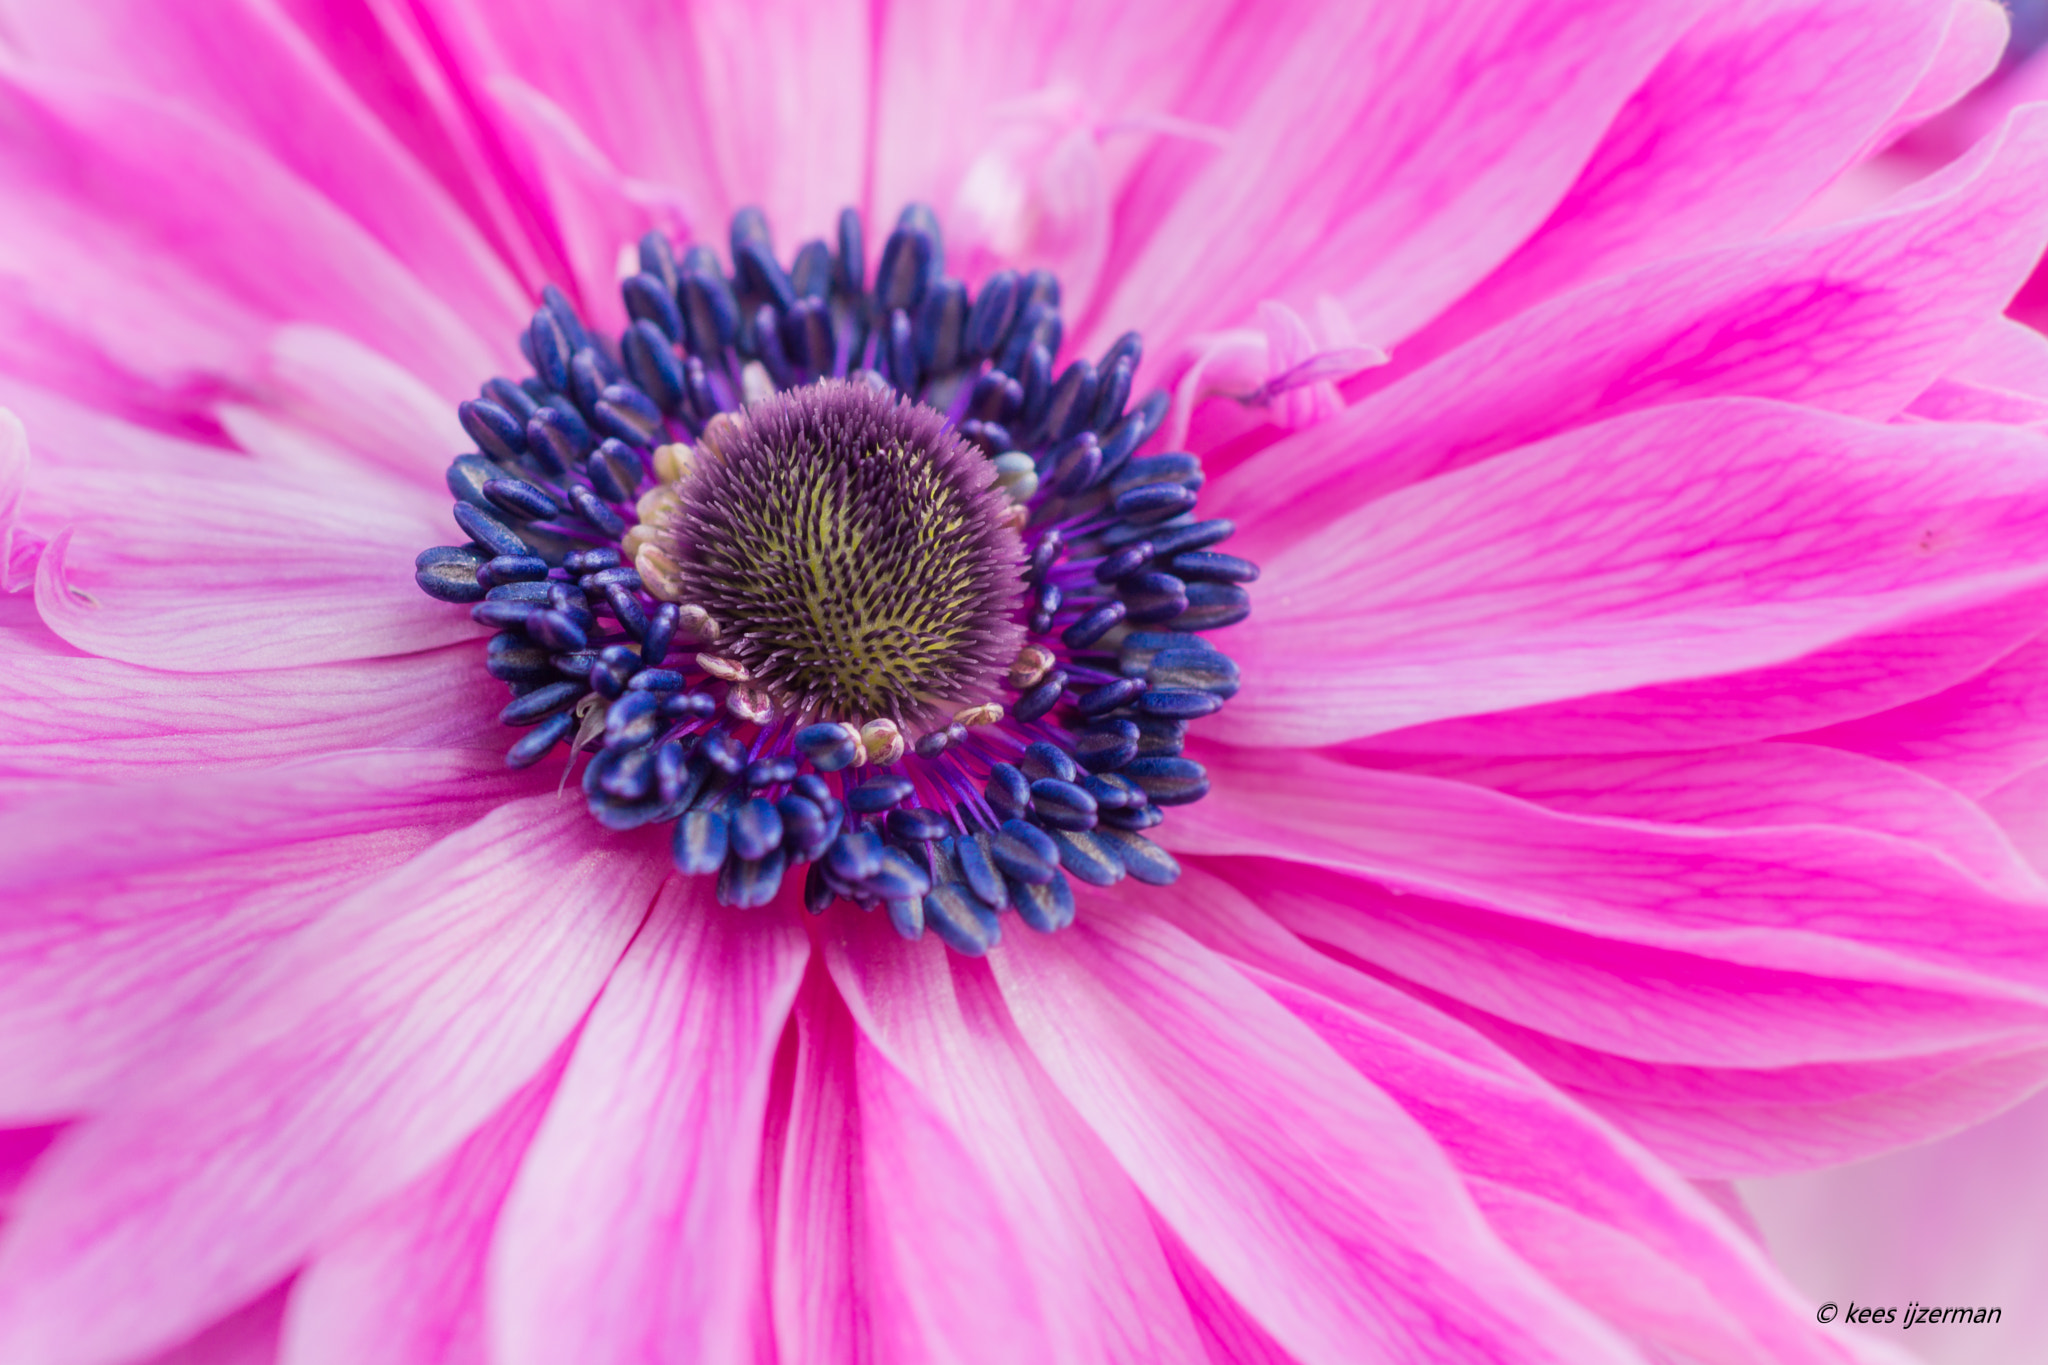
(844, 574)
(855, 554)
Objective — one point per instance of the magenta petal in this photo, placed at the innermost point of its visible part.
(1317, 1203)
(1501, 585)
(633, 1232)
(405, 1285)
(350, 1062)
(1083, 1233)
(1859, 318)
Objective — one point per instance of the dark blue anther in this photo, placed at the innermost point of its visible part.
(1153, 597)
(898, 878)
(549, 350)
(448, 573)
(995, 308)
(701, 840)
(614, 470)
(533, 746)
(1040, 286)
(856, 855)
(1063, 805)
(557, 630)
(1047, 760)
(906, 265)
(1213, 566)
(724, 753)
(1030, 330)
(660, 632)
(987, 399)
(1130, 431)
(658, 258)
(1009, 791)
(932, 743)
(1048, 599)
(749, 228)
(551, 443)
(1142, 858)
(907, 915)
(803, 824)
(711, 316)
(961, 921)
(756, 828)
(818, 892)
(595, 512)
(555, 301)
(1152, 502)
(634, 718)
(1140, 646)
(768, 346)
(652, 363)
(1072, 403)
(1085, 856)
(901, 352)
(828, 746)
(1173, 467)
(1179, 703)
(658, 680)
(1100, 701)
(586, 380)
(1202, 670)
(1132, 818)
(1048, 908)
(1024, 852)
(922, 217)
(626, 773)
(626, 608)
(515, 659)
(599, 579)
(609, 680)
(699, 257)
(1168, 781)
(807, 338)
(625, 658)
(851, 264)
(1041, 699)
(1106, 744)
(751, 884)
(521, 499)
(690, 704)
(1130, 346)
(816, 789)
(593, 561)
(699, 398)
(625, 412)
(541, 703)
(770, 772)
(878, 793)
(496, 432)
(760, 275)
(510, 397)
(992, 437)
(917, 824)
(1110, 397)
(1075, 463)
(940, 319)
(525, 591)
(1198, 535)
(487, 531)
(1112, 791)
(811, 273)
(650, 300)
(467, 476)
(1211, 606)
(674, 777)
(982, 877)
(513, 569)
(1124, 562)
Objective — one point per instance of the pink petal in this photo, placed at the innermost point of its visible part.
(633, 1231)
(1443, 136)
(1318, 1204)
(1858, 677)
(1856, 318)
(248, 1336)
(1756, 533)
(195, 575)
(1751, 113)
(111, 946)
(1971, 46)
(405, 1286)
(72, 718)
(1834, 901)
(1599, 1217)
(1082, 1230)
(2005, 355)
(342, 1070)
(890, 1242)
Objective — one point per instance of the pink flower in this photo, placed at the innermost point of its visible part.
(1598, 808)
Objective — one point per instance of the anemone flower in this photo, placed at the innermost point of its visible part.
(944, 894)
